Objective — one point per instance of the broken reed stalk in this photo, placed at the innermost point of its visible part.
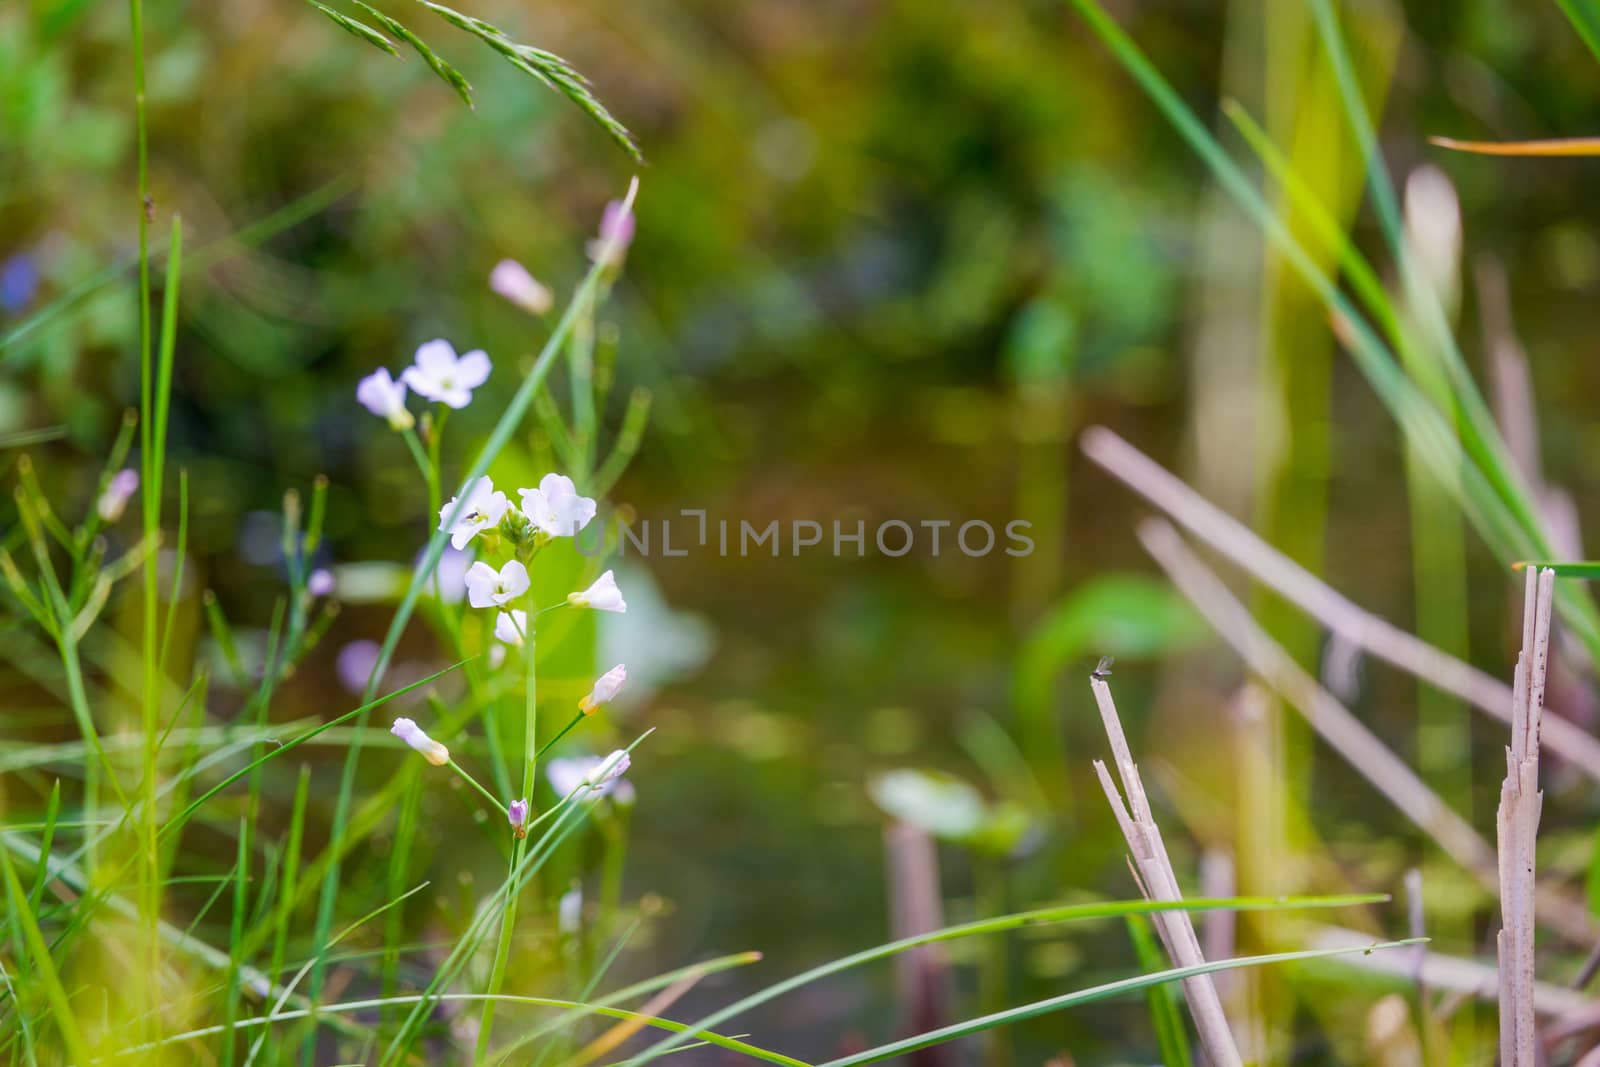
(1347, 735)
(1157, 881)
(1517, 828)
(1377, 637)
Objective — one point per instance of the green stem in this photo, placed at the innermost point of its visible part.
(490, 797)
(576, 719)
(508, 920)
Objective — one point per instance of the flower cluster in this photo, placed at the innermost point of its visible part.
(436, 373)
(485, 519)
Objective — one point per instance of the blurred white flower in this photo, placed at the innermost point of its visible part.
(1433, 231)
(555, 508)
(511, 280)
(355, 664)
(439, 374)
(511, 627)
(603, 595)
(409, 732)
(658, 644)
(570, 910)
(380, 394)
(483, 510)
(607, 686)
(602, 776)
(320, 582)
(114, 500)
(489, 588)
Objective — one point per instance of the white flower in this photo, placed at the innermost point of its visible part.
(483, 510)
(511, 627)
(380, 394)
(511, 280)
(439, 375)
(600, 776)
(115, 498)
(605, 688)
(603, 595)
(412, 734)
(320, 582)
(555, 507)
(489, 588)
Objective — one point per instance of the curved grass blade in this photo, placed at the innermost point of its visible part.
(1114, 909)
(350, 1006)
(1090, 995)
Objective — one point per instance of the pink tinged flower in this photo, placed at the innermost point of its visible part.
(320, 583)
(517, 816)
(511, 280)
(489, 588)
(380, 394)
(555, 508)
(439, 374)
(412, 734)
(482, 510)
(609, 769)
(511, 627)
(606, 687)
(616, 234)
(118, 490)
(603, 595)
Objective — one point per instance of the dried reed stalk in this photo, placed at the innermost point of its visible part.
(1517, 828)
(1376, 636)
(1340, 728)
(1157, 881)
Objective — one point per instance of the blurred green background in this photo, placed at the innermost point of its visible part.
(891, 258)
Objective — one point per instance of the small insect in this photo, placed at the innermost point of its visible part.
(1103, 671)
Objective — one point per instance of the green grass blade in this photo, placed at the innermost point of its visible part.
(44, 966)
(1089, 996)
(1115, 909)
(288, 746)
(1585, 18)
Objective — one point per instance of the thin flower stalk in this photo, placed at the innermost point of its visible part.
(1157, 881)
